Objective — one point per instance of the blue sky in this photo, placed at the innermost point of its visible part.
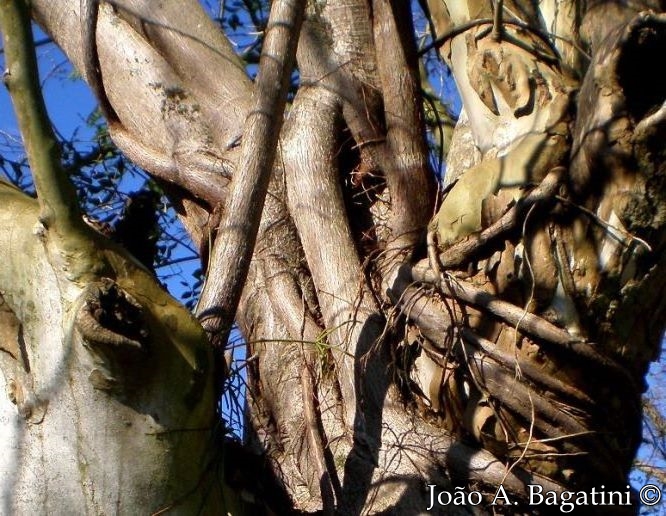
(69, 101)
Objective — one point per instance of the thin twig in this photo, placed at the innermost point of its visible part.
(463, 27)
(606, 225)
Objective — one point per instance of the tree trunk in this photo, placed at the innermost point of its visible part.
(400, 339)
(85, 427)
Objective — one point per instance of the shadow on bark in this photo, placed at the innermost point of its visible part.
(372, 380)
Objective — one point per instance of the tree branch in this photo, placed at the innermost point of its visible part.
(203, 175)
(409, 178)
(200, 55)
(238, 231)
(477, 244)
(315, 201)
(171, 77)
(519, 318)
(57, 197)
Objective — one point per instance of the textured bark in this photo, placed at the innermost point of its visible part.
(84, 425)
(395, 343)
(230, 257)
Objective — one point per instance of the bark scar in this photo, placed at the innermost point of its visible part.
(112, 326)
(111, 317)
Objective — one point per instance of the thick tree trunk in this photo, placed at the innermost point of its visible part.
(108, 380)
(85, 428)
(397, 342)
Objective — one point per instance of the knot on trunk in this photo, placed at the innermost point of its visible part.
(113, 327)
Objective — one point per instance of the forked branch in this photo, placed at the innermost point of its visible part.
(57, 198)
